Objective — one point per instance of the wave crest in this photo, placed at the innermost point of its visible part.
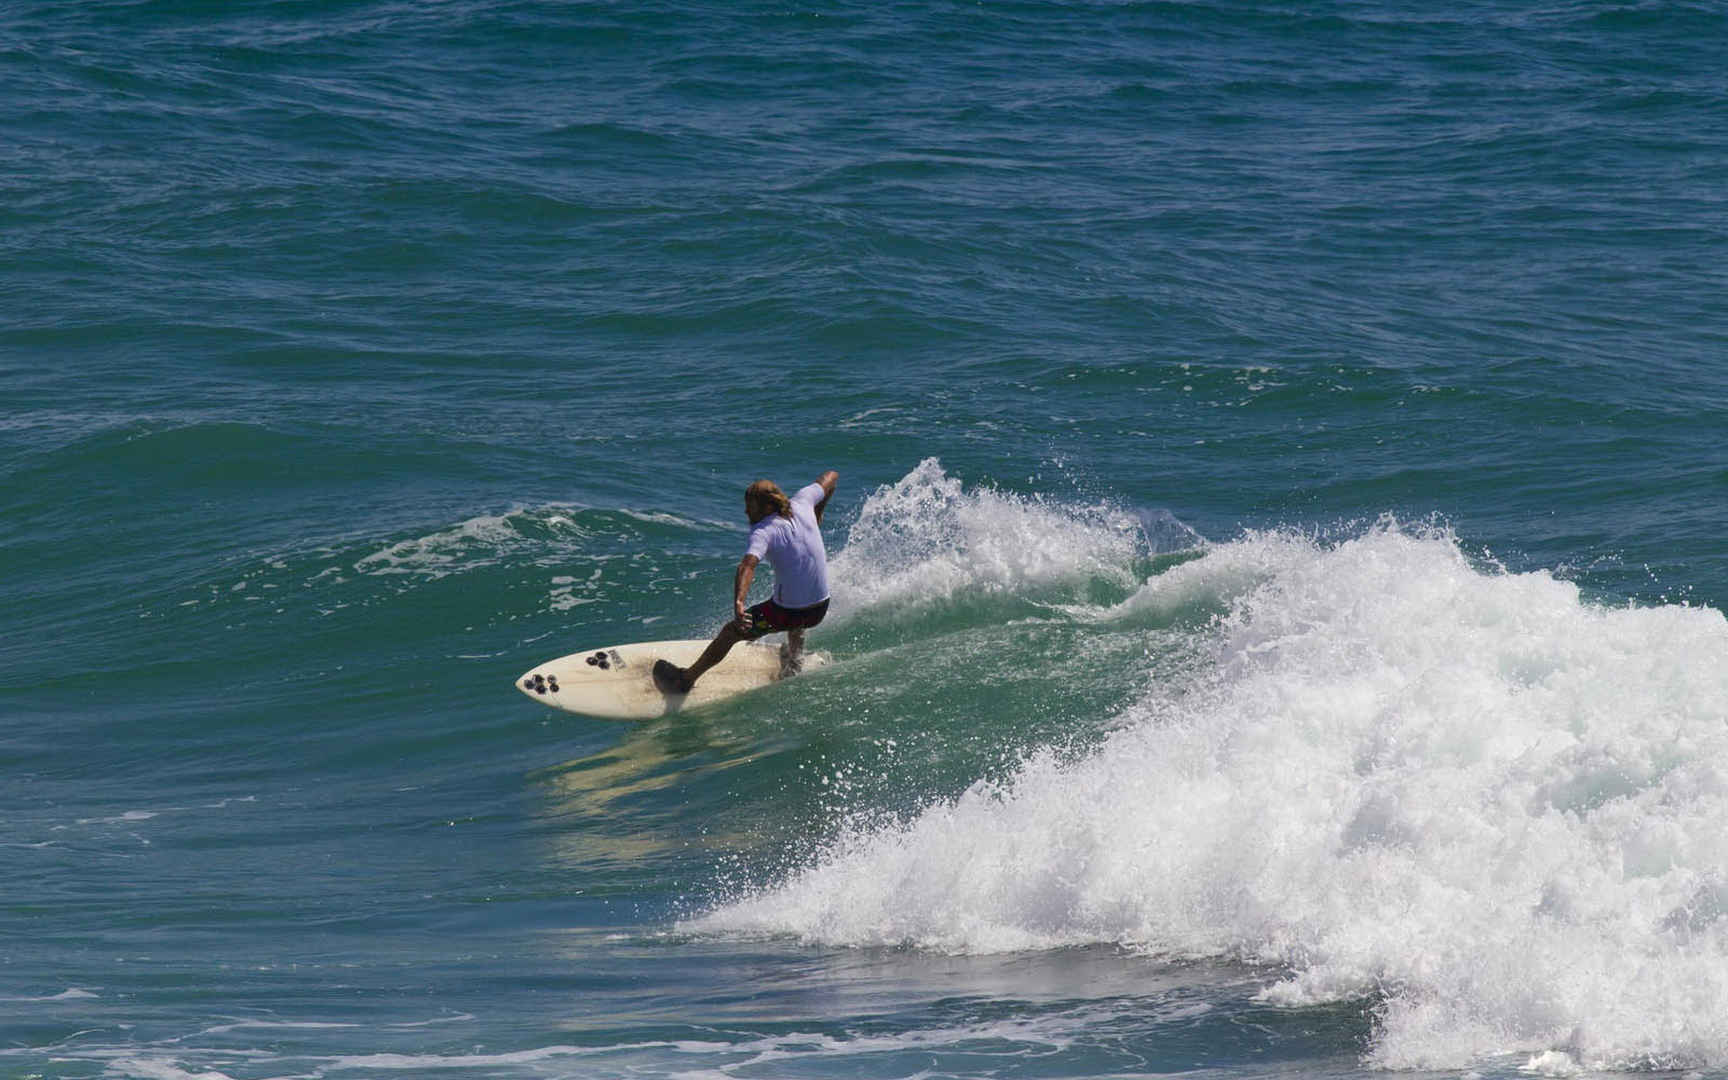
(927, 540)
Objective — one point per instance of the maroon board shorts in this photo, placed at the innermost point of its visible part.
(770, 618)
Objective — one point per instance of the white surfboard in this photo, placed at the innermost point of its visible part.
(617, 682)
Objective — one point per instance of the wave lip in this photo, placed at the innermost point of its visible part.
(925, 540)
(1469, 796)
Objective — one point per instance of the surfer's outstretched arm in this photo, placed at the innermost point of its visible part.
(829, 480)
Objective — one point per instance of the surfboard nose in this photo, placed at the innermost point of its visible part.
(537, 683)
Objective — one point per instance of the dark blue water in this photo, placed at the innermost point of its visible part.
(1278, 563)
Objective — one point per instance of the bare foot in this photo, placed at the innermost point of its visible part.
(669, 678)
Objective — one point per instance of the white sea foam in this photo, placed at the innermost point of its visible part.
(551, 536)
(475, 542)
(123, 819)
(925, 539)
(72, 993)
(1495, 808)
(1006, 1040)
(144, 1068)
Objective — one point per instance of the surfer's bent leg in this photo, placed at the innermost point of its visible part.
(752, 626)
(795, 621)
(672, 679)
(716, 651)
(764, 618)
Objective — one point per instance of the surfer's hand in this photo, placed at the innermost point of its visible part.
(741, 618)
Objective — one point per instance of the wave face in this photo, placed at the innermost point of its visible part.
(1488, 806)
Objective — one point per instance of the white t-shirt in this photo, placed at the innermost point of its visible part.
(793, 547)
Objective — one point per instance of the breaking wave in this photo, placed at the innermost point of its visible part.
(1489, 807)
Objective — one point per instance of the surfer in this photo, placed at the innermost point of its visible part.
(788, 533)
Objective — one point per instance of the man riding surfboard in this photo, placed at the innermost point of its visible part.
(788, 533)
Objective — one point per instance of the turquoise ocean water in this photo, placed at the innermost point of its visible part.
(1278, 562)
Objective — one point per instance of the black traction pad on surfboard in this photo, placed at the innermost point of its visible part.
(541, 684)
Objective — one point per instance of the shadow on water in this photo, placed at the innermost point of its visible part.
(631, 803)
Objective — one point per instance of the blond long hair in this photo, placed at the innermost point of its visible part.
(767, 493)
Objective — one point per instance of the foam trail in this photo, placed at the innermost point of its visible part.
(1495, 808)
